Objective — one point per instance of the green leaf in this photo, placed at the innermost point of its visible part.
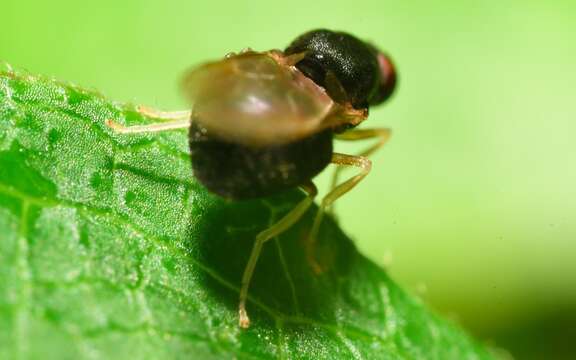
(110, 249)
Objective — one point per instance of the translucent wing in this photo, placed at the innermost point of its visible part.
(255, 99)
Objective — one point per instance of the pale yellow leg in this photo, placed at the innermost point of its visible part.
(360, 162)
(165, 115)
(383, 135)
(282, 225)
(154, 127)
(170, 120)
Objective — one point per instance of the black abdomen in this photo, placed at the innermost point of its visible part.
(240, 172)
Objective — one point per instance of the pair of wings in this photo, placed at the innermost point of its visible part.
(259, 99)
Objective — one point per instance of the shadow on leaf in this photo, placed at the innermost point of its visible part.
(283, 279)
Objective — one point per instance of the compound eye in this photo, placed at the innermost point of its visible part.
(387, 80)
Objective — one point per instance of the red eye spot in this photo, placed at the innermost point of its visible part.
(387, 79)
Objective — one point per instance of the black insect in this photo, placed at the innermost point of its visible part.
(263, 122)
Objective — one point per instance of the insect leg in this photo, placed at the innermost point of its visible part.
(361, 134)
(282, 225)
(361, 162)
(154, 127)
(164, 115)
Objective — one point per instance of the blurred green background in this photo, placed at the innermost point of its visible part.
(472, 204)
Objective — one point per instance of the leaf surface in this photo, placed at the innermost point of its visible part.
(109, 249)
